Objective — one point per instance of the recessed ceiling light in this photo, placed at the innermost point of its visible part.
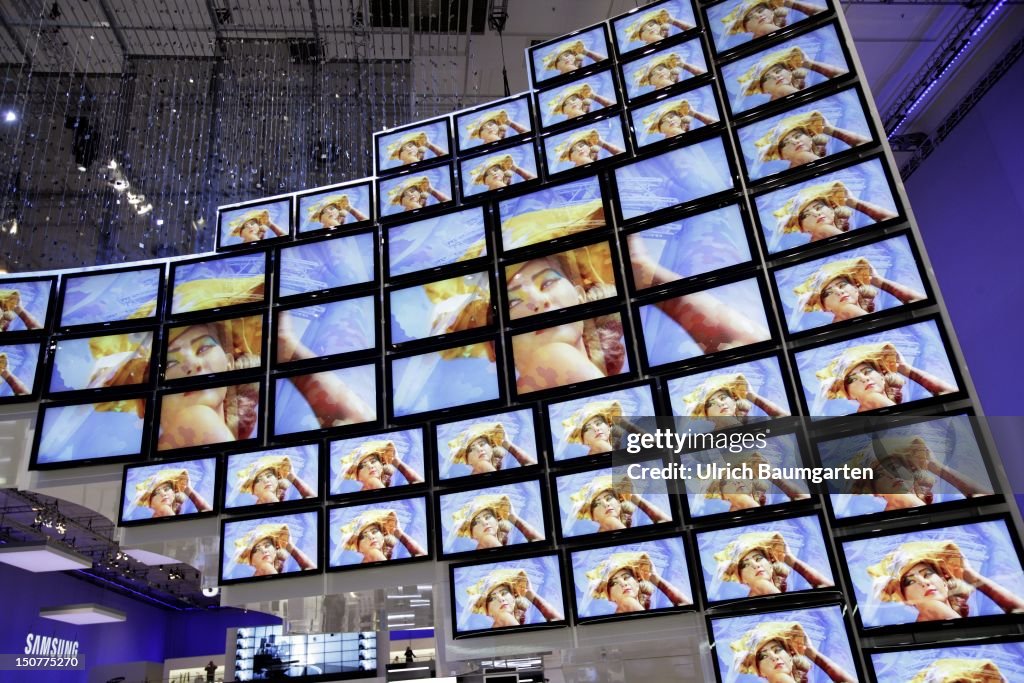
(42, 557)
(81, 615)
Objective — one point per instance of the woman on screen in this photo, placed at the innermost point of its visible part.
(269, 478)
(585, 148)
(726, 399)
(762, 17)
(847, 289)
(935, 578)
(266, 549)
(489, 519)
(802, 138)
(961, 671)
(611, 504)
(761, 561)
(412, 148)
(374, 535)
(784, 72)
(746, 493)
(10, 308)
(654, 26)
(664, 71)
(499, 171)
(577, 100)
(333, 211)
(482, 448)
(166, 491)
(599, 426)
(506, 596)
(415, 193)
(674, 118)
(628, 580)
(253, 226)
(569, 57)
(873, 375)
(780, 652)
(17, 386)
(824, 210)
(373, 465)
(494, 126)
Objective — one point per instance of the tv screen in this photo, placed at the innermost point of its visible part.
(88, 433)
(500, 516)
(587, 95)
(496, 442)
(419, 189)
(936, 573)
(19, 372)
(514, 594)
(731, 396)
(673, 178)
(598, 423)
(877, 371)
(561, 281)
(635, 579)
(804, 134)
(209, 414)
(423, 141)
(254, 222)
(829, 205)
(449, 378)
(271, 476)
(569, 54)
(801, 644)
(449, 306)
(101, 361)
(718, 319)
(326, 330)
(167, 491)
(564, 210)
(25, 304)
(736, 22)
(209, 284)
(607, 500)
(270, 545)
(782, 556)
(787, 68)
(382, 531)
(331, 264)
(510, 167)
(847, 285)
(670, 116)
(687, 247)
(663, 69)
(996, 661)
(728, 481)
(494, 123)
(595, 141)
(325, 399)
(104, 297)
(211, 348)
(570, 353)
(913, 467)
(378, 461)
(651, 24)
(437, 241)
(340, 207)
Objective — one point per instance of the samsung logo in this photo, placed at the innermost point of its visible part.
(47, 645)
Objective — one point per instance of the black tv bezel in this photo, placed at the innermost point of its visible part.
(138, 456)
(161, 370)
(590, 168)
(70, 394)
(158, 296)
(266, 241)
(542, 99)
(273, 577)
(47, 319)
(536, 82)
(283, 505)
(378, 141)
(360, 496)
(466, 164)
(215, 503)
(384, 219)
(644, 9)
(368, 352)
(484, 259)
(380, 502)
(329, 190)
(236, 380)
(172, 317)
(663, 96)
(462, 116)
(42, 354)
(310, 295)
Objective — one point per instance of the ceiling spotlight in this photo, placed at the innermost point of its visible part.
(120, 185)
(112, 165)
(10, 116)
(135, 199)
(159, 221)
(143, 210)
(211, 591)
(82, 169)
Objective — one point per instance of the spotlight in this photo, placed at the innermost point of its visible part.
(112, 165)
(10, 116)
(82, 169)
(211, 591)
(143, 210)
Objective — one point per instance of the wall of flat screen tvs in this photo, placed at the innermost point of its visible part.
(691, 214)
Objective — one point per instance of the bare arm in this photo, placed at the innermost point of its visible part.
(518, 127)
(711, 323)
(197, 499)
(522, 457)
(357, 214)
(30, 320)
(196, 425)
(963, 483)
(831, 669)
(610, 148)
(849, 137)
(411, 475)
(525, 528)
(523, 173)
(276, 230)
(435, 149)
(702, 117)
(927, 380)
(769, 407)
(902, 292)
(872, 211)
(656, 514)
(826, 70)
(693, 69)
(301, 486)
(674, 595)
(803, 7)
(1007, 600)
(602, 100)
(414, 548)
(17, 386)
(597, 57)
(300, 557)
(681, 25)
(812, 575)
(441, 197)
(546, 608)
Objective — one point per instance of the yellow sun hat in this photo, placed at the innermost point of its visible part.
(261, 216)
(278, 533)
(384, 450)
(144, 490)
(883, 356)
(653, 120)
(458, 447)
(504, 161)
(660, 16)
(576, 47)
(582, 90)
(280, 465)
(500, 117)
(888, 574)
(9, 299)
(339, 201)
(770, 543)
(810, 293)
(460, 303)
(591, 137)
(548, 224)
(671, 60)
(499, 504)
(960, 670)
(734, 383)
(791, 58)
(834, 194)
(583, 500)
(385, 520)
(813, 123)
(215, 292)
(789, 633)
(639, 563)
(611, 411)
(418, 137)
(419, 182)
(241, 338)
(515, 579)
